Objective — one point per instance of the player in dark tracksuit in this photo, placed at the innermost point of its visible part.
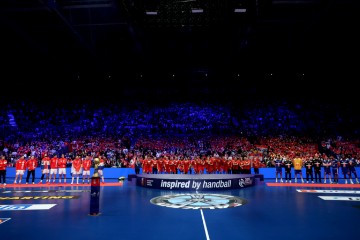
(278, 168)
(344, 165)
(317, 168)
(309, 170)
(352, 169)
(287, 166)
(327, 169)
(335, 169)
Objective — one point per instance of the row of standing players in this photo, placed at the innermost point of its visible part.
(52, 168)
(314, 166)
(208, 165)
(81, 167)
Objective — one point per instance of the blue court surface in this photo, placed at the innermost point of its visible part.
(130, 212)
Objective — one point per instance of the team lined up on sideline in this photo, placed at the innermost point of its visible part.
(315, 167)
(53, 169)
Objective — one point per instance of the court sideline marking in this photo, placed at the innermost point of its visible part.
(323, 185)
(327, 191)
(204, 223)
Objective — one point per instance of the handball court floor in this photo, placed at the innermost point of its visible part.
(269, 211)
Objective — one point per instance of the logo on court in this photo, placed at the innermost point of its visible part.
(18, 207)
(198, 201)
(44, 191)
(39, 198)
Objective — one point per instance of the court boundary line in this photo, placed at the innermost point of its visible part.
(47, 185)
(323, 185)
(204, 223)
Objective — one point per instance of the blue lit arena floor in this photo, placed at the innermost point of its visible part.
(129, 212)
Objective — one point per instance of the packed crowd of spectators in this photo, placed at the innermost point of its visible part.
(121, 130)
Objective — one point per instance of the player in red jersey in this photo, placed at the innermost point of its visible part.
(62, 161)
(186, 164)
(31, 165)
(256, 164)
(76, 169)
(3, 165)
(45, 168)
(86, 164)
(20, 167)
(167, 165)
(53, 168)
(246, 165)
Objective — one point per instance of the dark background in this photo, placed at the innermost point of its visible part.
(300, 48)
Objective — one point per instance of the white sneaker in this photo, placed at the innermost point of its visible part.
(281, 180)
(345, 181)
(324, 181)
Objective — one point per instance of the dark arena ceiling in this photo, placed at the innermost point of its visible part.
(135, 43)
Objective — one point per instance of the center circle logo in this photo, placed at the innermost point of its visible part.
(198, 201)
